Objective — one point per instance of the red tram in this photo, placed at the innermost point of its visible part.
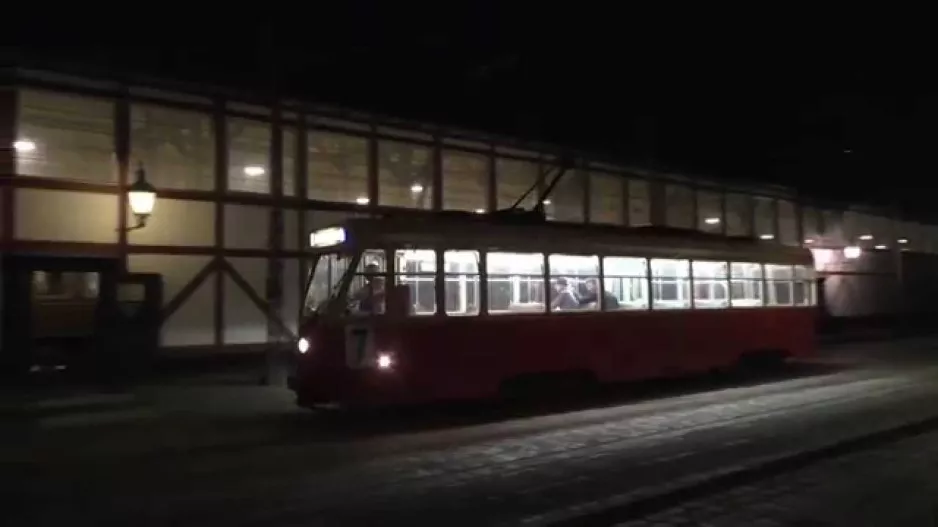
(411, 310)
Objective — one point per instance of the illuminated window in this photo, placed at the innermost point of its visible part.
(327, 273)
(366, 293)
(778, 283)
(515, 282)
(709, 211)
(176, 146)
(574, 282)
(738, 215)
(765, 218)
(810, 226)
(746, 284)
(248, 156)
(405, 175)
(65, 137)
(567, 200)
(787, 223)
(606, 198)
(670, 284)
(639, 203)
(627, 280)
(680, 206)
(462, 282)
(711, 285)
(416, 268)
(514, 178)
(465, 181)
(805, 286)
(337, 168)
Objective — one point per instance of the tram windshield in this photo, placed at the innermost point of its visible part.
(325, 281)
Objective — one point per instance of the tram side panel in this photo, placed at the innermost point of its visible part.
(465, 358)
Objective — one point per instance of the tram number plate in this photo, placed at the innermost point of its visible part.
(359, 346)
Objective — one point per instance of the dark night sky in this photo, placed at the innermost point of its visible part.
(763, 104)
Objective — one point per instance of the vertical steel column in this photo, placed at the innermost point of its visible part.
(122, 150)
(374, 179)
(221, 190)
(724, 229)
(626, 216)
(300, 180)
(9, 108)
(776, 224)
(695, 206)
(437, 191)
(275, 373)
(491, 197)
(587, 193)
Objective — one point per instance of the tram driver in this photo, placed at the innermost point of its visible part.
(370, 297)
(563, 298)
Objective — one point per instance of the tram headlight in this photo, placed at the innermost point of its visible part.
(385, 361)
(302, 345)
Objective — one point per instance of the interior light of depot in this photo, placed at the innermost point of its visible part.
(880, 247)
(480, 211)
(254, 171)
(866, 237)
(302, 345)
(362, 200)
(852, 252)
(416, 188)
(903, 240)
(712, 221)
(547, 202)
(766, 236)
(24, 146)
(809, 241)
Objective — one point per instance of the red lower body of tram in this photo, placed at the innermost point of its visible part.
(452, 358)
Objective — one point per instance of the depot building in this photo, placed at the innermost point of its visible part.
(186, 211)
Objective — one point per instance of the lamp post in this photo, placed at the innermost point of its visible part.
(142, 198)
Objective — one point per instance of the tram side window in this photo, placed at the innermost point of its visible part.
(746, 284)
(574, 282)
(515, 282)
(670, 284)
(805, 286)
(779, 285)
(625, 280)
(462, 282)
(367, 291)
(416, 268)
(711, 285)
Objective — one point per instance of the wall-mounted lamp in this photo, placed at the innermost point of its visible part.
(142, 198)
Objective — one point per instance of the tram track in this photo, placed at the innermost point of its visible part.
(541, 470)
(728, 480)
(472, 472)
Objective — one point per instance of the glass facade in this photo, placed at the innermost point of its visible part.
(405, 175)
(177, 146)
(337, 168)
(65, 136)
(73, 137)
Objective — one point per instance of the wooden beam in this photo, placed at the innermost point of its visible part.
(241, 282)
(187, 290)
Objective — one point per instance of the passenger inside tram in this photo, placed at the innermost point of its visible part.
(590, 296)
(370, 297)
(564, 298)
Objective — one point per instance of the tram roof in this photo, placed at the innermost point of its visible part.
(523, 234)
